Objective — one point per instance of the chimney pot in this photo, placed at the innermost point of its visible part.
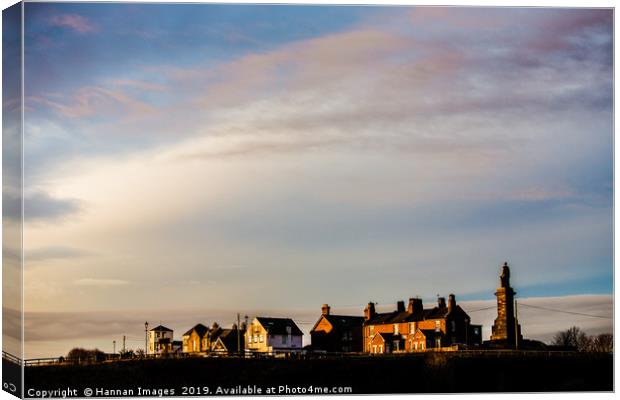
(325, 309)
(400, 306)
(451, 302)
(415, 305)
(369, 311)
(441, 302)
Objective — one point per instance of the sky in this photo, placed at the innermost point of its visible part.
(262, 158)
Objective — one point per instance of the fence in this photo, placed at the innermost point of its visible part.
(10, 357)
(109, 358)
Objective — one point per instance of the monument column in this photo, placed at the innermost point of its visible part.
(505, 328)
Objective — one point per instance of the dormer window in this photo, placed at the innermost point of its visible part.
(396, 329)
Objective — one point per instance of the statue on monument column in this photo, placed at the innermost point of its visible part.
(504, 278)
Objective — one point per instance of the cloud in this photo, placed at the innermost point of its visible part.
(424, 149)
(92, 101)
(54, 253)
(75, 22)
(138, 84)
(100, 282)
(40, 206)
(12, 331)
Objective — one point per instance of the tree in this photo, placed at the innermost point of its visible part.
(602, 343)
(126, 354)
(572, 337)
(80, 355)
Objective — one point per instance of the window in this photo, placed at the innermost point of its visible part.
(284, 339)
(260, 338)
(476, 331)
(249, 338)
(372, 330)
(453, 324)
(438, 343)
(396, 329)
(412, 327)
(194, 345)
(255, 338)
(437, 326)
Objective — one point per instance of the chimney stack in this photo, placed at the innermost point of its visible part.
(451, 302)
(441, 302)
(415, 306)
(369, 311)
(325, 309)
(400, 306)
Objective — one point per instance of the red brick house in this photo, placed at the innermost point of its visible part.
(417, 329)
(337, 333)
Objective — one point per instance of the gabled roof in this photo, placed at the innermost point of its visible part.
(161, 328)
(396, 317)
(215, 333)
(436, 312)
(386, 336)
(200, 329)
(344, 321)
(277, 326)
(339, 322)
(228, 338)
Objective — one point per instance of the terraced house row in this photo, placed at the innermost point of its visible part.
(406, 329)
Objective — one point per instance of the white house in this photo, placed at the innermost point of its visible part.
(160, 340)
(273, 335)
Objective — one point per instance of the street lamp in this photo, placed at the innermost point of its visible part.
(146, 338)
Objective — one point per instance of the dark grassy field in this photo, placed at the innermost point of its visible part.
(424, 373)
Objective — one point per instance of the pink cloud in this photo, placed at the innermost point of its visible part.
(92, 100)
(73, 21)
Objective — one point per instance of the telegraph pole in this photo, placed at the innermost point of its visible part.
(123, 343)
(516, 328)
(238, 334)
(146, 338)
(113, 346)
